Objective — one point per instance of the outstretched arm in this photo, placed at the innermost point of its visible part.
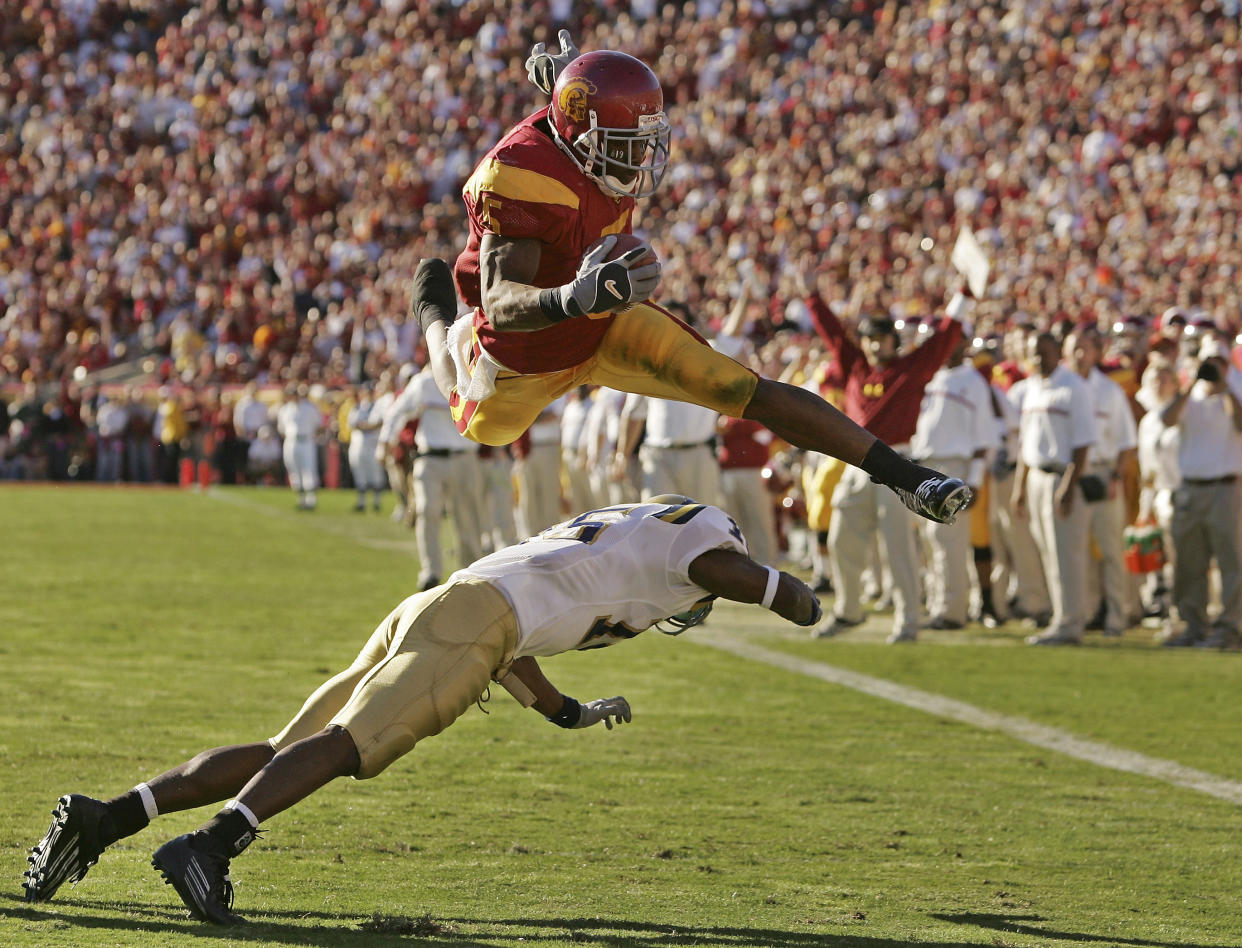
(560, 709)
(732, 575)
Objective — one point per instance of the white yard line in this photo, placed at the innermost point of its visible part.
(1050, 738)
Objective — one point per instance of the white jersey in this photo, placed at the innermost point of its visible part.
(298, 421)
(606, 575)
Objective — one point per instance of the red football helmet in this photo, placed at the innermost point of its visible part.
(608, 115)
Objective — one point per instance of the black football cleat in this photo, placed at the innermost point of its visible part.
(433, 295)
(938, 498)
(201, 878)
(68, 849)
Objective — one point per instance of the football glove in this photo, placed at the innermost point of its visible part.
(543, 67)
(606, 710)
(602, 285)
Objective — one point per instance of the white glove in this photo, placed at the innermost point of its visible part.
(604, 709)
(543, 67)
(603, 285)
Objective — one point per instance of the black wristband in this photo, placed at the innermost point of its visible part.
(569, 715)
(551, 306)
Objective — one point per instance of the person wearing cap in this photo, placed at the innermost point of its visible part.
(1112, 456)
(955, 431)
(883, 390)
(1206, 508)
(298, 421)
(1056, 428)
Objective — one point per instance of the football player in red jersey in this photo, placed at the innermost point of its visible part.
(552, 311)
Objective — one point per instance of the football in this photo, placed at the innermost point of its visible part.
(625, 243)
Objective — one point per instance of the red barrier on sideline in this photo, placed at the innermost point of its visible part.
(204, 474)
(187, 472)
(332, 476)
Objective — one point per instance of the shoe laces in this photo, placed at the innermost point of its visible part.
(219, 880)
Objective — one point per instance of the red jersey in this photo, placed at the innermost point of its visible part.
(884, 399)
(526, 187)
(743, 444)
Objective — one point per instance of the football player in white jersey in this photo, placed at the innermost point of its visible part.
(597, 579)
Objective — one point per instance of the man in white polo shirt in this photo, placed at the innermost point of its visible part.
(1056, 429)
(1206, 508)
(955, 430)
(1114, 450)
(678, 451)
(445, 477)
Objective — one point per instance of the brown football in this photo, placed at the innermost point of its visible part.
(625, 242)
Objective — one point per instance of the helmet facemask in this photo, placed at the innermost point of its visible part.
(675, 625)
(628, 162)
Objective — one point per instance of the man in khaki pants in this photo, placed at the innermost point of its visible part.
(1056, 430)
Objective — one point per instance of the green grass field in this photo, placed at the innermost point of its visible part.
(746, 805)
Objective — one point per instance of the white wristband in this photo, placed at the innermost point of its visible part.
(148, 801)
(774, 580)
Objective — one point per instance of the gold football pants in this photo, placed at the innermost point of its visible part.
(427, 662)
(647, 351)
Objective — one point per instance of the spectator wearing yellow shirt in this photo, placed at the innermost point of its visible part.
(172, 429)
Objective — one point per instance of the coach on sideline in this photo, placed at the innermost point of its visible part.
(598, 579)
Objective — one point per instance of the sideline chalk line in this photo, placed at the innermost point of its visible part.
(1040, 735)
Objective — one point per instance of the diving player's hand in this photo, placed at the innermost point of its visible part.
(606, 710)
(602, 285)
(816, 610)
(543, 67)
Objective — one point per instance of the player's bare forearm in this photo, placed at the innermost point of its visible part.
(731, 575)
(548, 699)
(507, 268)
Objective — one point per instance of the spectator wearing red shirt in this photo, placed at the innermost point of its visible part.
(882, 392)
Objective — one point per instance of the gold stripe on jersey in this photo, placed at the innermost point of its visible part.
(678, 514)
(619, 226)
(519, 184)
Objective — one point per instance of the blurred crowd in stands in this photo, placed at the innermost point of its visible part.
(205, 205)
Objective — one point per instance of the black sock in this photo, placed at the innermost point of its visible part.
(985, 601)
(126, 816)
(229, 832)
(889, 468)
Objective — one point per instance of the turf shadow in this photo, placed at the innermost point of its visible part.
(332, 930)
(1018, 925)
(347, 930)
(604, 931)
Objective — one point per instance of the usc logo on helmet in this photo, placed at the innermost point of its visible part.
(573, 100)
